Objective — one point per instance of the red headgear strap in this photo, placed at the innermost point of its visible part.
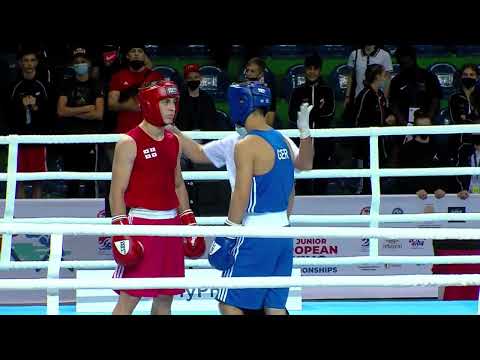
(150, 97)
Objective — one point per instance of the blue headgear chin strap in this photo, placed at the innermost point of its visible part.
(245, 98)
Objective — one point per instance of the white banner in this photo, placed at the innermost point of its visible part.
(36, 247)
(192, 300)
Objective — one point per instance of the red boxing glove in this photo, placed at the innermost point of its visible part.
(193, 247)
(127, 251)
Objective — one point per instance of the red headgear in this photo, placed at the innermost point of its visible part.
(149, 99)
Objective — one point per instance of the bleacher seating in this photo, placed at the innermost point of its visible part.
(446, 74)
(169, 73)
(214, 81)
(294, 77)
(338, 80)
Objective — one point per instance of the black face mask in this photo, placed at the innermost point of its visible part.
(468, 83)
(136, 64)
(193, 84)
(252, 79)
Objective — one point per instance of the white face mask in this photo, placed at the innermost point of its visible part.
(241, 130)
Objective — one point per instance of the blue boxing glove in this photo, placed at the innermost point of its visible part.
(221, 255)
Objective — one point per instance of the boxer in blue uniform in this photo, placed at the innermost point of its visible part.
(263, 189)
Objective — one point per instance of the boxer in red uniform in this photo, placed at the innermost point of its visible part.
(146, 179)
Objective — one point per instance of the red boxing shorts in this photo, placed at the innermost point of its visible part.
(32, 158)
(163, 257)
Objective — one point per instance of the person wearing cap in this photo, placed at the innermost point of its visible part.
(316, 92)
(80, 111)
(197, 108)
(30, 113)
(148, 189)
(412, 89)
(122, 96)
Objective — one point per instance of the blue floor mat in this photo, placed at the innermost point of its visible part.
(341, 307)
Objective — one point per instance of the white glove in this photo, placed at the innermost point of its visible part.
(303, 120)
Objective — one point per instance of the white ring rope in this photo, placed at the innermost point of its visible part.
(244, 282)
(245, 231)
(297, 262)
(223, 175)
(294, 219)
(9, 226)
(213, 135)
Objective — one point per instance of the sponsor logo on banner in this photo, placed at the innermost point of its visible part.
(365, 246)
(104, 242)
(314, 247)
(392, 266)
(199, 294)
(365, 242)
(369, 267)
(397, 211)
(416, 244)
(457, 210)
(392, 244)
(319, 270)
(30, 247)
(198, 299)
(365, 210)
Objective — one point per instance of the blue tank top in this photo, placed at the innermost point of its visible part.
(270, 192)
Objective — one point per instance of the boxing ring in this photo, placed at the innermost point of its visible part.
(57, 227)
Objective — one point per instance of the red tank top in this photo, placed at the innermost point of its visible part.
(152, 181)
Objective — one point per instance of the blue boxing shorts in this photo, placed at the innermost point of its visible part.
(259, 257)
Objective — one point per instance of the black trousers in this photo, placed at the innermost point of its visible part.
(324, 149)
(80, 157)
(105, 160)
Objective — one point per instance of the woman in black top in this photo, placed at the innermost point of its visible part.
(371, 110)
(464, 107)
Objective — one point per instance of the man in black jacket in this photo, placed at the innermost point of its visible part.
(413, 88)
(197, 108)
(315, 92)
(30, 113)
(422, 152)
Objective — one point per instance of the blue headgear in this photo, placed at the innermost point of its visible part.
(245, 98)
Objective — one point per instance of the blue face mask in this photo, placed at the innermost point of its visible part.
(81, 69)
